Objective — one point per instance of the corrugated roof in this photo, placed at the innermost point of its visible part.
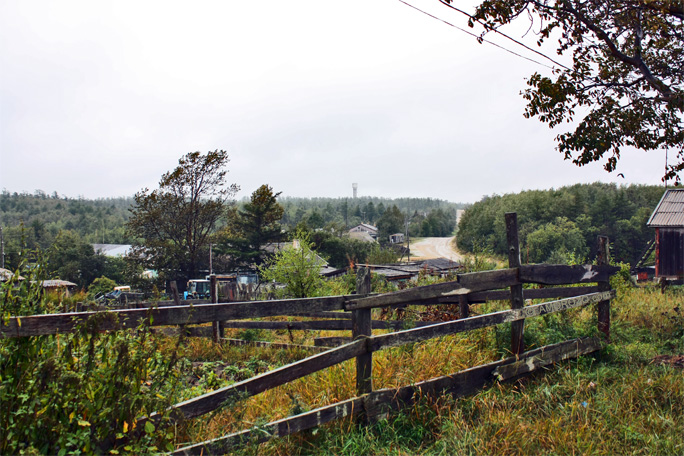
(6, 274)
(56, 283)
(670, 210)
(112, 250)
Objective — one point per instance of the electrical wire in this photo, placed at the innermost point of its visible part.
(480, 39)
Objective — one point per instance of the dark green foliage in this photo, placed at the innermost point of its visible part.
(624, 86)
(81, 392)
(391, 222)
(100, 286)
(556, 240)
(349, 212)
(174, 222)
(342, 251)
(251, 228)
(33, 221)
(437, 223)
(338, 249)
(552, 221)
(70, 258)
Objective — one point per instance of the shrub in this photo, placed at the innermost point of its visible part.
(80, 392)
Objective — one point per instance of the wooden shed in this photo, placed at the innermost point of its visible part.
(668, 221)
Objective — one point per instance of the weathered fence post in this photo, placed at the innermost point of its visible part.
(463, 307)
(174, 292)
(217, 326)
(603, 307)
(361, 327)
(517, 301)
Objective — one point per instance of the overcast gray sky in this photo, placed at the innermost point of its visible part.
(98, 99)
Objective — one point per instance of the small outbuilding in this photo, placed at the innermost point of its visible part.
(396, 238)
(668, 221)
(7, 275)
(365, 228)
(57, 285)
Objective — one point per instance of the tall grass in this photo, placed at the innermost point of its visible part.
(618, 401)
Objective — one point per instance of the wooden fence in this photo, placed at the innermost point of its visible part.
(464, 290)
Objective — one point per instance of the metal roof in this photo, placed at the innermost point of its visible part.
(112, 250)
(6, 274)
(670, 210)
(56, 283)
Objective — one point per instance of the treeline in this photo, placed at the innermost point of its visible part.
(99, 221)
(426, 216)
(561, 225)
(64, 228)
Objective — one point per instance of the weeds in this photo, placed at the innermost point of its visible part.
(80, 392)
(616, 402)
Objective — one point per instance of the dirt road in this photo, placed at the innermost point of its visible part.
(434, 247)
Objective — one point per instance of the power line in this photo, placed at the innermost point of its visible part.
(480, 39)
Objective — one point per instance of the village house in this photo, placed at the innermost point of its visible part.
(370, 230)
(668, 221)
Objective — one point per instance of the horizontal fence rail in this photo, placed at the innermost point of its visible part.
(377, 404)
(466, 284)
(353, 312)
(208, 402)
(250, 387)
(39, 325)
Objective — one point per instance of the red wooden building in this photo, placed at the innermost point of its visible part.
(668, 221)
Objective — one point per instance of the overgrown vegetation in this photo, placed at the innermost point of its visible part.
(560, 226)
(81, 393)
(628, 399)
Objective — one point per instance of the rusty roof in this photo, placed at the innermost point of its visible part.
(670, 210)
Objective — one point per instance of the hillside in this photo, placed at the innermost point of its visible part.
(561, 225)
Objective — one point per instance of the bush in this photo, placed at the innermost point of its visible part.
(100, 286)
(80, 392)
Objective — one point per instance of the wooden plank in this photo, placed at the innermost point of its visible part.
(361, 329)
(379, 403)
(218, 332)
(211, 401)
(170, 303)
(380, 342)
(465, 283)
(280, 428)
(487, 280)
(550, 354)
(331, 341)
(38, 325)
(516, 291)
(174, 292)
(603, 307)
(326, 315)
(317, 325)
(264, 344)
(463, 306)
(528, 293)
(559, 274)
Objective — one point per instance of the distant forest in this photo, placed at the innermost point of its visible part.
(35, 220)
(561, 225)
(349, 212)
(557, 225)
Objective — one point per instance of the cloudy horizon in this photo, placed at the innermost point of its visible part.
(98, 100)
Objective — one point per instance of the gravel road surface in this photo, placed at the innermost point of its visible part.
(434, 247)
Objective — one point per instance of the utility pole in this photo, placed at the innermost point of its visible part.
(211, 269)
(2, 248)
